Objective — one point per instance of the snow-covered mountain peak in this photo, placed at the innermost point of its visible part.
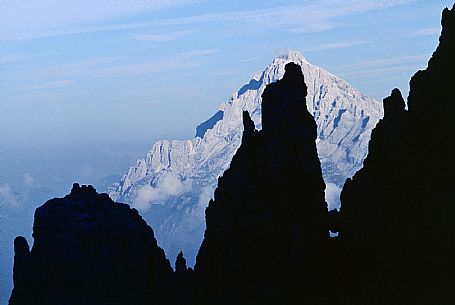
(173, 184)
(291, 55)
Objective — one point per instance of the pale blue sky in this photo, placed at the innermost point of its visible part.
(91, 71)
(87, 86)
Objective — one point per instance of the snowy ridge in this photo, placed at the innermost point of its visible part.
(171, 187)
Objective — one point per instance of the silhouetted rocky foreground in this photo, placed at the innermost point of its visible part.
(397, 220)
(267, 240)
(89, 250)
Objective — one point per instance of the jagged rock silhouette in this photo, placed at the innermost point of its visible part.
(90, 250)
(266, 230)
(397, 215)
(267, 240)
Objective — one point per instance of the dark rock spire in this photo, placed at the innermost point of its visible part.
(266, 228)
(183, 282)
(180, 263)
(394, 104)
(21, 272)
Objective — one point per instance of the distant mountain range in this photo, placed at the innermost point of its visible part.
(173, 184)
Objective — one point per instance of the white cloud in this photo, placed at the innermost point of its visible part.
(388, 61)
(34, 19)
(169, 185)
(84, 67)
(196, 53)
(205, 196)
(375, 67)
(196, 221)
(225, 72)
(7, 196)
(104, 67)
(144, 68)
(23, 56)
(43, 18)
(332, 196)
(161, 37)
(49, 85)
(337, 45)
(28, 180)
(251, 59)
(427, 32)
(376, 71)
(179, 61)
(321, 16)
(50, 95)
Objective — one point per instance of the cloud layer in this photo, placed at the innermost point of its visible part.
(169, 185)
(7, 196)
(332, 196)
(47, 19)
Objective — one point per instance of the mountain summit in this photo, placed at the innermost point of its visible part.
(173, 184)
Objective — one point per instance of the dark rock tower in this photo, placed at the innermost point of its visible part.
(397, 215)
(266, 230)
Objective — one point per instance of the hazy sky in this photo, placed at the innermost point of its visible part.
(87, 86)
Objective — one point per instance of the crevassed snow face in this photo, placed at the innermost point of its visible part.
(173, 184)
